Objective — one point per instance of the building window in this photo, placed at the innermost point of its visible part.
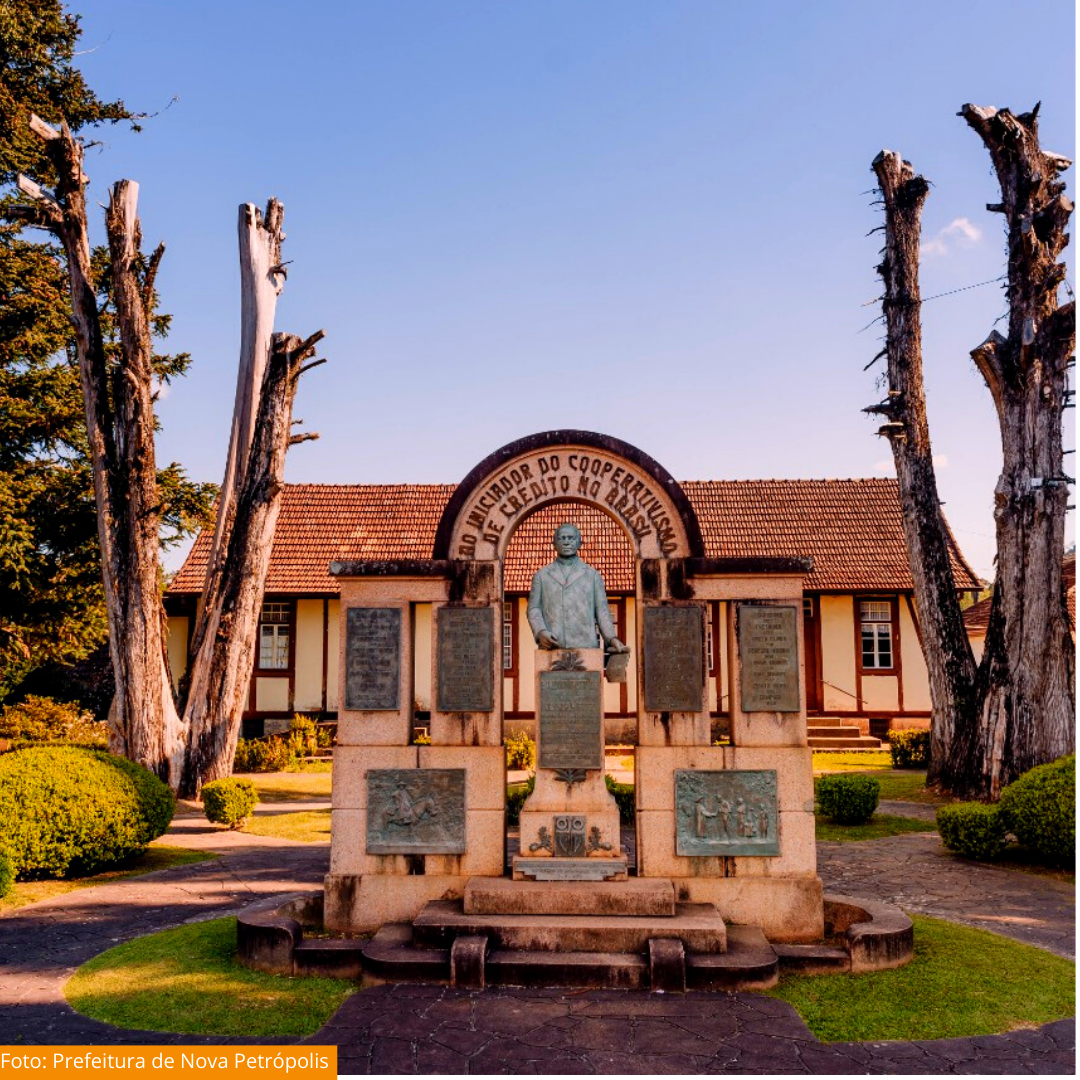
(274, 635)
(875, 618)
(808, 607)
(508, 635)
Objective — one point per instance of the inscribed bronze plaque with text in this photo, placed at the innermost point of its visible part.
(726, 813)
(768, 658)
(415, 811)
(372, 658)
(571, 720)
(674, 659)
(466, 653)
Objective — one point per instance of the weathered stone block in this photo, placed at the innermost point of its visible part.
(667, 965)
(654, 771)
(485, 772)
(361, 903)
(467, 956)
(786, 908)
(485, 847)
(373, 729)
(794, 771)
(351, 763)
(798, 850)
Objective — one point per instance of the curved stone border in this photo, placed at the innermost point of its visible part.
(876, 935)
(270, 937)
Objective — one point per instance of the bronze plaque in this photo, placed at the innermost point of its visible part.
(726, 813)
(674, 658)
(571, 720)
(415, 811)
(372, 658)
(466, 644)
(769, 658)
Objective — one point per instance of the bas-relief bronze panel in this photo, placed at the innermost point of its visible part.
(372, 658)
(768, 658)
(674, 658)
(465, 640)
(571, 720)
(729, 812)
(416, 811)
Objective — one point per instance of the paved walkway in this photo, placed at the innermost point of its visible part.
(442, 1030)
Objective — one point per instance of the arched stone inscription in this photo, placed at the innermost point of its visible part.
(582, 467)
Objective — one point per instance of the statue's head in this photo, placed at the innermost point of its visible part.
(567, 540)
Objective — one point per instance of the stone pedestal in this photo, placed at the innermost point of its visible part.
(570, 815)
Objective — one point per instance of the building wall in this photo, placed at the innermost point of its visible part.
(916, 679)
(422, 651)
(310, 642)
(839, 683)
(178, 629)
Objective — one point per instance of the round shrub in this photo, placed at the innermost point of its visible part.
(7, 873)
(847, 798)
(1039, 809)
(65, 810)
(229, 801)
(974, 829)
(910, 748)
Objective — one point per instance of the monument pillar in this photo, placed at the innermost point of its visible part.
(570, 823)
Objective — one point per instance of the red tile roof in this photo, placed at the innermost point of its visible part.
(977, 617)
(851, 529)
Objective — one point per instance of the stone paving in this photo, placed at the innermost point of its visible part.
(916, 873)
(431, 1029)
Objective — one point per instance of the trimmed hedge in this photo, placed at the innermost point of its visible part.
(7, 873)
(229, 801)
(910, 749)
(1039, 809)
(847, 798)
(974, 829)
(624, 796)
(66, 810)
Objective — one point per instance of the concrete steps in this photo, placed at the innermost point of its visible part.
(829, 733)
(635, 896)
(698, 926)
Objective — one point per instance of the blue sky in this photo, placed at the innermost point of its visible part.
(645, 219)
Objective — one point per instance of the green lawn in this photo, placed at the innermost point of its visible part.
(851, 760)
(960, 982)
(878, 826)
(906, 784)
(311, 826)
(189, 981)
(291, 786)
(156, 857)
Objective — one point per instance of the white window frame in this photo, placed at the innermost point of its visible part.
(275, 621)
(876, 639)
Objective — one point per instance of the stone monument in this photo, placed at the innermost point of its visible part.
(570, 823)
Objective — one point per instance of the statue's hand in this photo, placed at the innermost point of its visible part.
(614, 645)
(547, 640)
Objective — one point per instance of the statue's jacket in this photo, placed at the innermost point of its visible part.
(570, 605)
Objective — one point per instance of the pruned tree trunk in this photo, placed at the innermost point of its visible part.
(1026, 693)
(950, 662)
(145, 723)
(221, 670)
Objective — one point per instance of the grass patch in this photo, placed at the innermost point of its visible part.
(189, 981)
(290, 786)
(851, 760)
(878, 826)
(958, 984)
(156, 857)
(311, 826)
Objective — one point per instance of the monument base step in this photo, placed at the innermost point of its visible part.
(855, 741)
(391, 955)
(750, 963)
(562, 869)
(635, 896)
(597, 970)
(698, 926)
(812, 959)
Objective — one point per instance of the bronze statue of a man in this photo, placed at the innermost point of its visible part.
(568, 602)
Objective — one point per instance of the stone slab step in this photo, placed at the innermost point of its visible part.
(750, 963)
(608, 970)
(861, 742)
(332, 958)
(839, 731)
(391, 955)
(635, 896)
(812, 959)
(698, 926)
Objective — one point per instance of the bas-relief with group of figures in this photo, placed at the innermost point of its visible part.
(569, 825)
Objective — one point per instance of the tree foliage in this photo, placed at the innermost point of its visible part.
(51, 602)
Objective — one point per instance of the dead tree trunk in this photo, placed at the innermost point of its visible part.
(120, 427)
(1026, 694)
(145, 723)
(221, 671)
(949, 660)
